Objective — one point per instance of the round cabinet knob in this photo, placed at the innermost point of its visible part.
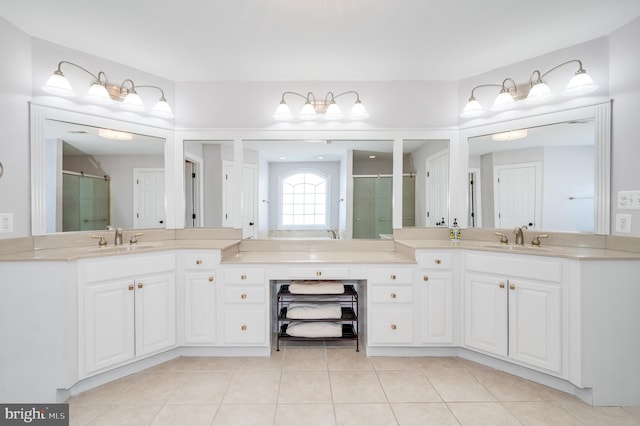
(210, 279)
(243, 296)
(393, 295)
(393, 277)
(244, 328)
(501, 285)
(140, 285)
(425, 278)
(243, 277)
(198, 262)
(393, 327)
(512, 286)
(438, 261)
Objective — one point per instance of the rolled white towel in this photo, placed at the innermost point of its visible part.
(314, 329)
(314, 311)
(316, 287)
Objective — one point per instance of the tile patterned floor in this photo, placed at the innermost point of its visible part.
(327, 386)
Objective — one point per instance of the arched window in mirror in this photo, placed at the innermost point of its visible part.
(304, 201)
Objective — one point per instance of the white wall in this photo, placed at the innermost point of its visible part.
(15, 91)
(624, 62)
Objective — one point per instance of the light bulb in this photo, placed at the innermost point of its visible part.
(472, 109)
(308, 112)
(283, 112)
(132, 102)
(162, 109)
(539, 93)
(333, 112)
(58, 84)
(99, 94)
(358, 111)
(580, 84)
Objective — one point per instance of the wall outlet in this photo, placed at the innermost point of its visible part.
(623, 223)
(6, 222)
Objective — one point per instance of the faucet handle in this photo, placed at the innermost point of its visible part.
(102, 242)
(536, 239)
(503, 238)
(134, 239)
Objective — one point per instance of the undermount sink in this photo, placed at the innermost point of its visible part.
(122, 248)
(512, 247)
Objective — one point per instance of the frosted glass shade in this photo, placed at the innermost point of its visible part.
(283, 112)
(503, 101)
(580, 84)
(132, 102)
(99, 94)
(472, 109)
(162, 109)
(333, 112)
(539, 93)
(58, 85)
(358, 111)
(308, 112)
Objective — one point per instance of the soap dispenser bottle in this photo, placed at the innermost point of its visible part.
(454, 231)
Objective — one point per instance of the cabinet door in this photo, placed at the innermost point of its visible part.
(390, 326)
(200, 308)
(436, 307)
(108, 335)
(486, 313)
(155, 313)
(535, 324)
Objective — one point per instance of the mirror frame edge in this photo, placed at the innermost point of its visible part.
(38, 114)
(600, 112)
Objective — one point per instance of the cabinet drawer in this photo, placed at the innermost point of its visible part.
(201, 260)
(125, 266)
(244, 276)
(435, 260)
(244, 295)
(319, 272)
(391, 327)
(246, 326)
(391, 276)
(390, 294)
(515, 266)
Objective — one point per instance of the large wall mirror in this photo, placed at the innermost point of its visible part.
(550, 174)
(90, 173)
(341, 188)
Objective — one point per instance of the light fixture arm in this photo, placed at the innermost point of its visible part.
(98, 78)
(154, 87)
(306, 98)
(504, 85)
(484, 85)
(541, 76)
(346, 93)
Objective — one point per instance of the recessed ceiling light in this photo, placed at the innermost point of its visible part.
(320, 157)
(115, 135)
(372, 156)
(283, 158)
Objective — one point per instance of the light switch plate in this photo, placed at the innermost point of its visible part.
(623, 223)
(629, 200)
(6, 222)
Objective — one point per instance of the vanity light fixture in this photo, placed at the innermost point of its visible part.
(539, 92)
(314, 108)
(105, 93)
(512, 135)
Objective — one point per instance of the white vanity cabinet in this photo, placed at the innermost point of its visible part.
(390, 306)
(245, 306)
(127, 309)
(200, 296)
(513, 308)
(435, 283)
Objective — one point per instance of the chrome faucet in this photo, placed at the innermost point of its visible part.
(118, 240)
(334, 236)
(519, 236)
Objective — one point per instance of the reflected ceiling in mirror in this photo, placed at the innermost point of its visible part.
(99, 177)
(543, 179)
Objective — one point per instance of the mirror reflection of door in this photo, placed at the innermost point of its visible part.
(518, 189)
(437, 188)
(148, 198)
(372, 206)
(192, 183)
(249, 200)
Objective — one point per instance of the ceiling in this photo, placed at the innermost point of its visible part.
(323, 40)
